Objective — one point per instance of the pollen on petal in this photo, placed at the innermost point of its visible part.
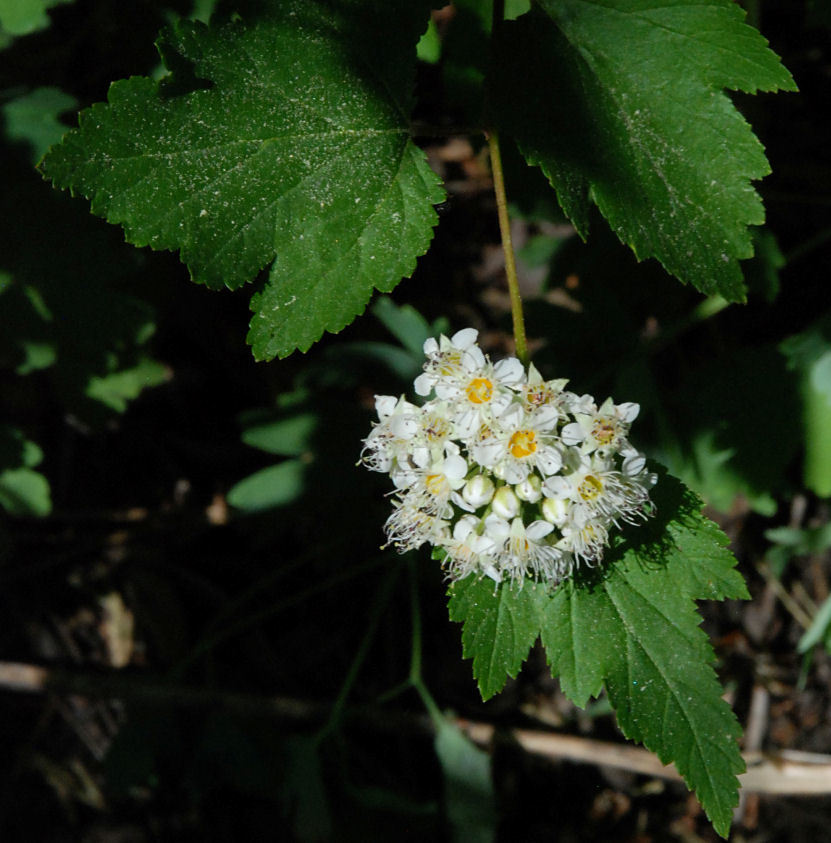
(522, 443)
(479, 391)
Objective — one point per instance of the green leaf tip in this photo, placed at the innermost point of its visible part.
(630, 626)
(670, 172)
(283, 142)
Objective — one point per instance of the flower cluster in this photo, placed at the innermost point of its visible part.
(511, 475)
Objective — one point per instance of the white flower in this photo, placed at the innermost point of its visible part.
(603, 428)
(469, 552)
(595, 491)
(408, 528)
(511, 475)
(586, 542)
(389, 441)
(523, 551)
(429, 488)
(482, 395)
(520, 443)
(449, 359)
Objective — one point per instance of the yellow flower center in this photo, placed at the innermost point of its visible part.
(436, 484)
(522, 443)
(603, 431)
(590, 488)
(479, 391)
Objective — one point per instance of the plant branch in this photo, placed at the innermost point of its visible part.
(783, 772)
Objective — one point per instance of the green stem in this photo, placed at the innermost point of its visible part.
(415, 611)
(508, 247)
(416, 679)
(492, 135)
(380, 603)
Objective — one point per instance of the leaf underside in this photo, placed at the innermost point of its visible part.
(633, 629)
(623, 105)
(281, 143)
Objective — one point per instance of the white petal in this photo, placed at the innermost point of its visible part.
(549, 460)
(464, 338)
(455, 467)
(385, 404)
(461, 503)
(509, 371)
(497, 528)
(505, 503)
(430, 346)
(446, 390)
(628, 411)
(538, 530)
(516, 472)
(467, 424)
(421, 456)
(464, 527)
(572, 434)
(545, 418)
(557, 487)
(488, 453)
(633, 464)
(423, 383)
(513, 415)
(404, 427)
(490, 571)
(473, 359)
(478, 490)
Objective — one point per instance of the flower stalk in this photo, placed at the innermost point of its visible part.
(520, 344)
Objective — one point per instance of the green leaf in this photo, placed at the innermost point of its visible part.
(818, 629)
(621, 103)
(33, 118)
(405, 323)
(283, 142)
(23, 491)
(288, 437)
(277, 485)
(20, 17)
(809, 353)
(656, 669)
(631, 627)
(500, 626)
(117, 389)
(468, 790)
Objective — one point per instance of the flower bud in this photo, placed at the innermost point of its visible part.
(478, 490)
(530, 489)
(505, 503)
(555, 510)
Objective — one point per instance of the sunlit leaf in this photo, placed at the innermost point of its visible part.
(297, 158)
(622, 104)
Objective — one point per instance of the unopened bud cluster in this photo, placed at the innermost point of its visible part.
(512, 476)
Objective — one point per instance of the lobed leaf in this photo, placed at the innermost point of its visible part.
(631, 627)
(284, 143)
(622, 103)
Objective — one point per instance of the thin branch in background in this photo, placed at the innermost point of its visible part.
(784, 772)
